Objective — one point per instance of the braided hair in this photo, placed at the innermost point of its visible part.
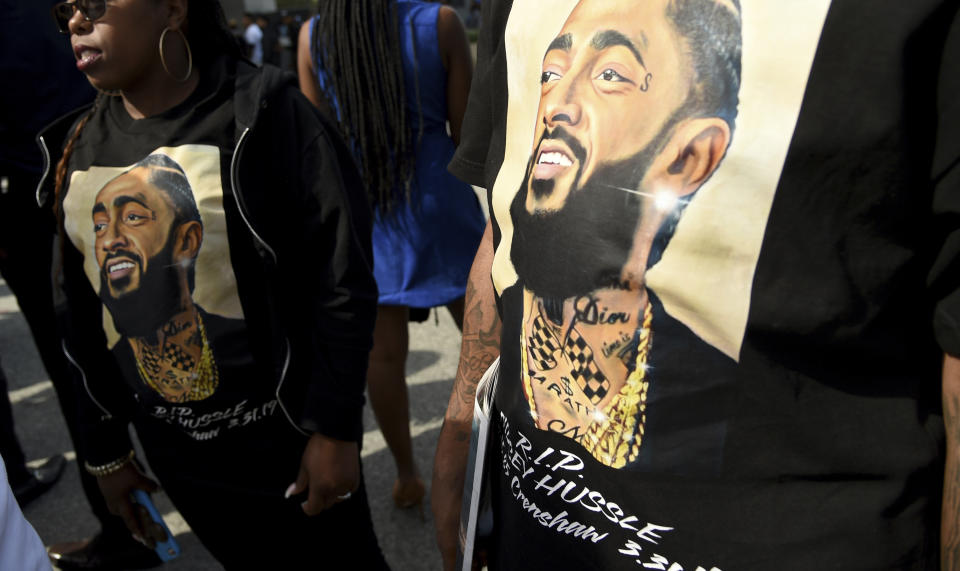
(357, 45)
(60, 172)
(206, 30)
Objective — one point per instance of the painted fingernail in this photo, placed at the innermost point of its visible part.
(290, 489)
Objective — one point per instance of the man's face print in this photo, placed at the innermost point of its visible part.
(132, 220)
(625, 117)
(153, 237)
(643, 147)
(603, 117)
(142, 251)
(610, 81)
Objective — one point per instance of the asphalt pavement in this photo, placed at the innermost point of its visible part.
(63, 515)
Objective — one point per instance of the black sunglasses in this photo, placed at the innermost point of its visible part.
(63, 11)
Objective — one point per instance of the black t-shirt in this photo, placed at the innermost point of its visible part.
(727, 268)
(150, 207)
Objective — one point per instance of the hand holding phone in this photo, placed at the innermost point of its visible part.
(168, 548)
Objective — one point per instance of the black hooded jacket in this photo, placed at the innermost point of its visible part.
(303, 269)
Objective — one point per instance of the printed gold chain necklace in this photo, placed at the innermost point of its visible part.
(205, 377)
(615, 440)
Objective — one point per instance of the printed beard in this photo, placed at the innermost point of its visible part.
(583, 246)
(141, 312)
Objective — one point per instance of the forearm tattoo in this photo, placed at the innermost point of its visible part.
(480, 347)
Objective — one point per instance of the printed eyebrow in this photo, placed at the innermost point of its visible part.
(98, 208)
(609, 38)
(124, 200)
(563, 43)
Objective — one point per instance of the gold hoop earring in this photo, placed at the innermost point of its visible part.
(163, 60)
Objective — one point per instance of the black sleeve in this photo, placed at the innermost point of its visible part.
(478, 121)
(944, 279)
(333, 227)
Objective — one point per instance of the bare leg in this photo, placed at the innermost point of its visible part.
(387, 387)
(455, 308)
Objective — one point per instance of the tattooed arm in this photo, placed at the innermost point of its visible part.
(481, 345)
(950, 523)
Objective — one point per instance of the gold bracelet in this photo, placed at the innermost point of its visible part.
(109, 468)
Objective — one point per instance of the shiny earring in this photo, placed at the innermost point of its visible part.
(163, 60)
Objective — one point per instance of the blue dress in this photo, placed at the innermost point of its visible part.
(423, 249)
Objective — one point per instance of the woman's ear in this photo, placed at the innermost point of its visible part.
(176, 13)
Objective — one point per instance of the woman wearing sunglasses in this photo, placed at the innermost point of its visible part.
(216, 289)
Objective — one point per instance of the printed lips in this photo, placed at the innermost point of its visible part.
(119, 270)
(120, 265)
(551, 163)
(558, 151)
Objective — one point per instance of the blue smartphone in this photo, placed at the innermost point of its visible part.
(168, 549)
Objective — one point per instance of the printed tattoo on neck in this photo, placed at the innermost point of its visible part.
(560, 427)
(178, 357)
(173, 327)
(195, 339)
(587, 310)
(172, 356)
(624, 347)
(564, 393)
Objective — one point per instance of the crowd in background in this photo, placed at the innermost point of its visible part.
(275, 32)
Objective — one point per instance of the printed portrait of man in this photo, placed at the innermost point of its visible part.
(637, 108)
(148, 232)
